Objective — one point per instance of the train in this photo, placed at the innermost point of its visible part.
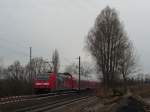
(48, 82)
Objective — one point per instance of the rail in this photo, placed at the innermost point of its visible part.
(12, 99)
(40, 101)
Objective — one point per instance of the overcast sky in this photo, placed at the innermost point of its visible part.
(64, 24)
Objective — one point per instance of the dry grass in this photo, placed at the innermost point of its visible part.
(106, 101)
(143, 91)
(101, 93)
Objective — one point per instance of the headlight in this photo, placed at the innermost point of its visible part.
(46, 84)
(38, 84)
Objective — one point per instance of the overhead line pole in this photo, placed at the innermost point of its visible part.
(30, 60)
(30, 73)
(79, 73)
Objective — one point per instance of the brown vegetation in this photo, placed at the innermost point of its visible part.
(143, 91)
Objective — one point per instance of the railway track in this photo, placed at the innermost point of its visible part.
(147, 108)
(27, 104)
(12, 99)
(49, 106)
(146, 105)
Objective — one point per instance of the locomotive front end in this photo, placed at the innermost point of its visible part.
(42, 83)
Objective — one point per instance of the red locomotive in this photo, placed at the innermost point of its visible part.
(60, 81)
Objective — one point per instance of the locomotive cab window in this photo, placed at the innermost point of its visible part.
(43, 76)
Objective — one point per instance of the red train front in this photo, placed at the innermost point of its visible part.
(61, 81)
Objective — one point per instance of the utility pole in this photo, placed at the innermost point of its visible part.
(79, 73)
(30, 73)
(30, 62)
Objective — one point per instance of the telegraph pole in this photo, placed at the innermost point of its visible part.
(30, 62)
(30, 73)
(79, 73)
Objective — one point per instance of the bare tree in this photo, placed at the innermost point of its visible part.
(107, 42)
(128, 64)
(15, 71)
(86, 69)
(15, 80)
(38, 65)
(55, 61)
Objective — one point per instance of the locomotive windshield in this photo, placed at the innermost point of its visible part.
(43, 76)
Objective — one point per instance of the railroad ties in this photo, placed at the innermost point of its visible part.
(13, 99)
(41, 102)
(147, 108)
(146, 104)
